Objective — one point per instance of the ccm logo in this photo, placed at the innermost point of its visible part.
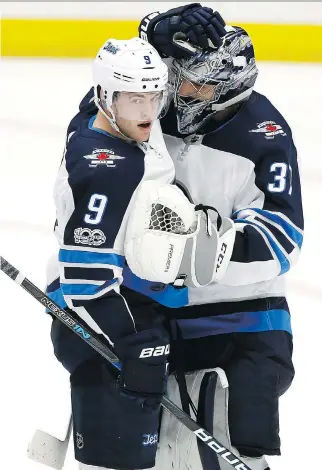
(158, 351)
(221, 256)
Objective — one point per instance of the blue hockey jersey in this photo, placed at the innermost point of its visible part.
(94, 189)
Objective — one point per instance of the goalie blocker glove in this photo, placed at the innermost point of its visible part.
(170, 240)
(171, 32)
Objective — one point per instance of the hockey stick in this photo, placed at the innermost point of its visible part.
(93, 340)
(49, 450)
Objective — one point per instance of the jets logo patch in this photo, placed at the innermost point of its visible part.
(103, 157)
(270, 129)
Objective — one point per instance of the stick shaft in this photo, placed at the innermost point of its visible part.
(93, 340)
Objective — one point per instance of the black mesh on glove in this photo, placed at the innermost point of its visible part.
(194, 23)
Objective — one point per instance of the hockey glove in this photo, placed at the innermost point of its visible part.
(144, 364)
(171, 32)
(170, 240)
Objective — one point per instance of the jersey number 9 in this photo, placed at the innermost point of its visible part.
(96, 206)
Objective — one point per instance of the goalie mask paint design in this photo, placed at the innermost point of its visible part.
(232, 71)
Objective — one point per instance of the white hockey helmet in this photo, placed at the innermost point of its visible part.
(131, 66)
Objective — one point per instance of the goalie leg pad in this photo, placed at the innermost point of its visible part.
(178, 447)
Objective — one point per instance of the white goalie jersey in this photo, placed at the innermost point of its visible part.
(247, 170)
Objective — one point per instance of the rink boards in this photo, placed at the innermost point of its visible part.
(81, 38)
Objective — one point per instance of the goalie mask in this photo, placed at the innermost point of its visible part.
(231, 69)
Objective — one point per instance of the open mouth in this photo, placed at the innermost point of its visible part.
(145, 125)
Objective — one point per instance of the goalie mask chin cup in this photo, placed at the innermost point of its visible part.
(231, 69)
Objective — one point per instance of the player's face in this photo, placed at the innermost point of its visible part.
(136, 130)
(135, 113)
(196, 91)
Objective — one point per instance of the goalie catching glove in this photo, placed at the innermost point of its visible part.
(170, 240)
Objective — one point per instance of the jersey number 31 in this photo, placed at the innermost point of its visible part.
(282, 172)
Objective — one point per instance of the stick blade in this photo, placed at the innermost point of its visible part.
(48, 450)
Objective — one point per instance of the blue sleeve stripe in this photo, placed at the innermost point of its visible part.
(284, 263)
(276, 233)
(90, 257)
(164, 294)
(288, 228)
(84, 289)
(57, 296)
(241, 322)
(291, 231)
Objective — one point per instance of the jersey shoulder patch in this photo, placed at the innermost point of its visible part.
(99, 150)
(256, 130)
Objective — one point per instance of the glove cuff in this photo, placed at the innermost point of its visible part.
(148, 23)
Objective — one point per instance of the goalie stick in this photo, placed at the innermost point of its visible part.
(92, 338)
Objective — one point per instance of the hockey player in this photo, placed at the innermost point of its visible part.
(114, 152)
(234, 153)
(110, 151)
